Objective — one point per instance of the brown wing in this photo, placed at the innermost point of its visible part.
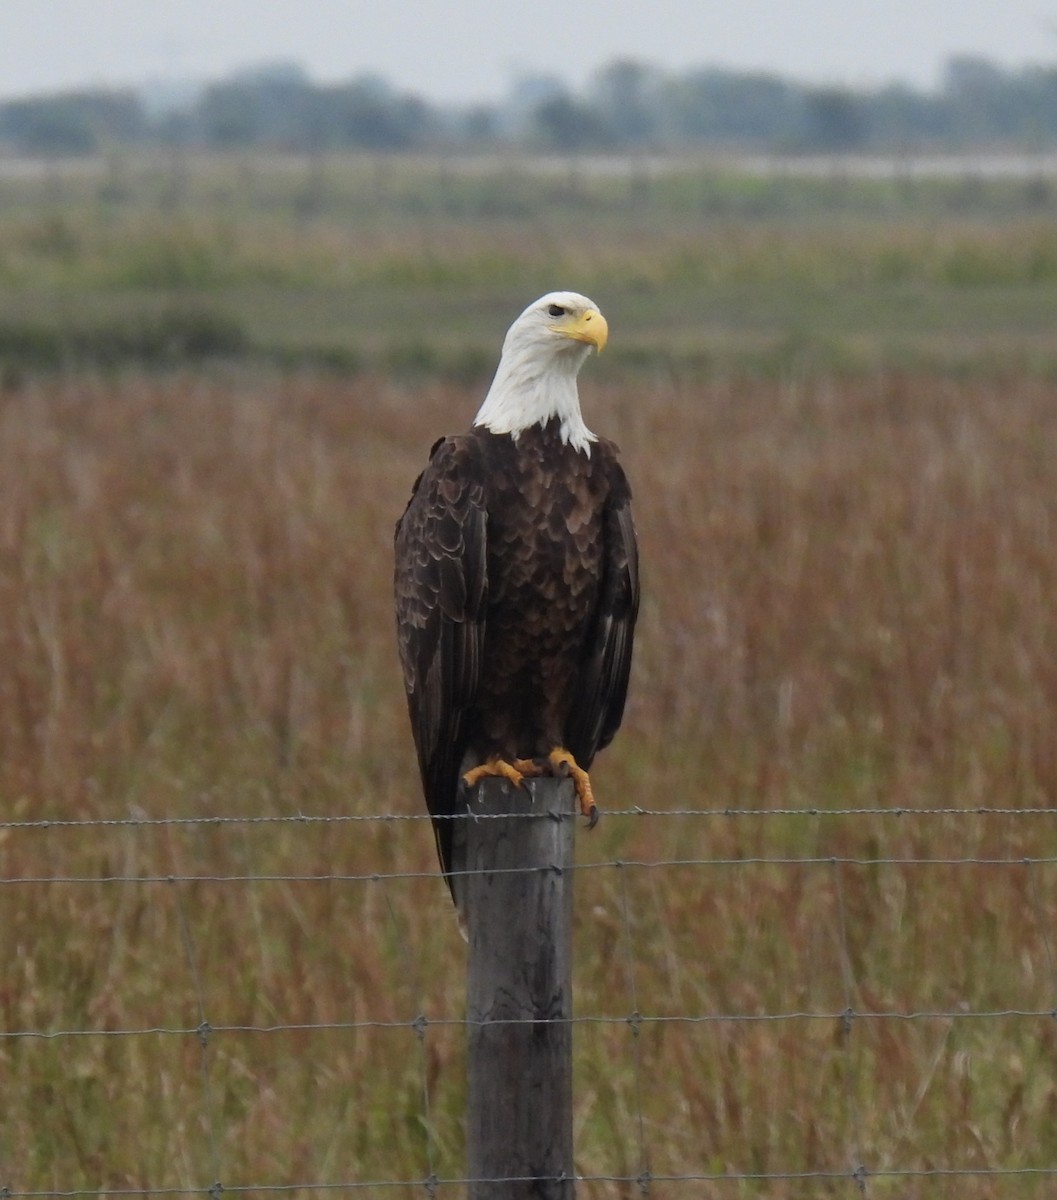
(602, 682)
(441, 590)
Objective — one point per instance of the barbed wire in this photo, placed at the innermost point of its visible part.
(421, 1022)
(845, 1018)
(378, 877)
(431, 1183)
(979, 810)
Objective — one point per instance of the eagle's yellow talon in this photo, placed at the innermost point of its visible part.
(514, 772)
(559, 764)
(564, 765)
(528, 766)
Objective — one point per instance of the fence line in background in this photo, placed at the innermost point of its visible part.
(844, 1019)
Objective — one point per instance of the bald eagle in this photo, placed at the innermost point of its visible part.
(516, 578)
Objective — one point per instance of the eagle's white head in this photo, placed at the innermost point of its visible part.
(536, 377)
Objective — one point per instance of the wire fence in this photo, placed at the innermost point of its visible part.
(864, 1167)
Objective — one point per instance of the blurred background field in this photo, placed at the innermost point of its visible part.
(837, 402)
(414, 264)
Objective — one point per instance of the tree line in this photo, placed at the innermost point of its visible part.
(626, 105)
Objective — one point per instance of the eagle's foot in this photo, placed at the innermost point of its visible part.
(496, 767)
(564, 766)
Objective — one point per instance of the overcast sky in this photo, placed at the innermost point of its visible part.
(464, 50)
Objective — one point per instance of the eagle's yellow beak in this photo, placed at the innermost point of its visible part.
(589, 326)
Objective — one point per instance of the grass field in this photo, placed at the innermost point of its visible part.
(414, 268)
(848, 603)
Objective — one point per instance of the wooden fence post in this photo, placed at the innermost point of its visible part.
(518, 917)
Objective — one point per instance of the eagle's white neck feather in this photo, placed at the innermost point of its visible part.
(535, 383)
(522, 395)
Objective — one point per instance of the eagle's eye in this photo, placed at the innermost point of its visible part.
(556, 310)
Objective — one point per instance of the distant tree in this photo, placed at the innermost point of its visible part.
(228, 116)
(902, 117)
(973, 88)
(990, 104)
(283, 109)
(1040, 118)
(479, 123)
(739, 107)
(565, 123)
(972, 75)
(72, 122)
(369, 114)
(48, 127)
(517, 112)
(267, 106)
(628, 103)
(835, 119)
(624, 94)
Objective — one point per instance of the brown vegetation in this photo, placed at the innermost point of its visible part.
(848, 602)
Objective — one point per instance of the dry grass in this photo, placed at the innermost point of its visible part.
(848, 601)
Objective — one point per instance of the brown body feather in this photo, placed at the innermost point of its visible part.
(516, 595)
